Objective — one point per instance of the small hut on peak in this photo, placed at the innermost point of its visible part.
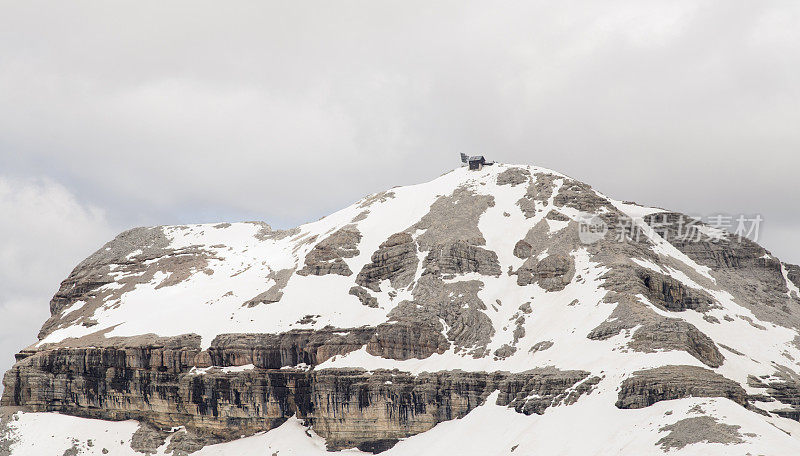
(475, 162)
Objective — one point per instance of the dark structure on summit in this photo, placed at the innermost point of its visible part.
(475, 162)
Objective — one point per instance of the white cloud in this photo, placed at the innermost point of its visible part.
(283, 111)
(44, 233)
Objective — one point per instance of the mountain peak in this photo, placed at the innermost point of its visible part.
(508, 290)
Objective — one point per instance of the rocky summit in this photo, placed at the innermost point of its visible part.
(509, 310)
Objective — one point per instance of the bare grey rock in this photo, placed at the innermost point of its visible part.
(696, 430)
(274, 351)
(522, 249)
(672, 295)
(457, 304)
(275, 292)
(135, 256)
(539, 190)
(674, 334)
(541, 346)
(784, 388)
(535, 390)
(7, 437)
(552, 273)
(557, 216)
(405, 339)
(646, 387)
(147, 439)
(454, 218)
(395, 260)
(188, 441)
(513, 176)
(379, 197)
(327, 257)
(461, 258)
(626, 315)
(580, 196)
(363, 295)
(266, 232)
(740, 266)
(504, 351)
(364, 409)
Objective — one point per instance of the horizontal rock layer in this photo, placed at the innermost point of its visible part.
(162, 386)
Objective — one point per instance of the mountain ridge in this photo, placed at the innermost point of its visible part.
(512, 287)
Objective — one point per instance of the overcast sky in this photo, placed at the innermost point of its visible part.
(115, 115)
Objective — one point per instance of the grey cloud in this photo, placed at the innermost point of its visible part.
(188, 111)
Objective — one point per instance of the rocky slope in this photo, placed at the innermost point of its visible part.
(474, 314)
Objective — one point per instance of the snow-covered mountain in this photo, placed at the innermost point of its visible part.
(510, 310)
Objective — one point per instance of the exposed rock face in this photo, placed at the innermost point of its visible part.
(395, 260)
(793, 272)
(513, 176)
(460, 258)
(356, 408)
(741, 267)
(696, 430)
(274, 351)
(646, 387)
(134, 257)
(457, 304)
(454, 218)
(275, 292)
(673, 295)
(414, 404)
(522, 249)
(539, 191)
(486, 271)
(580, 196)
(327, 257)
(364, 296)
(673, 334)
(784, 386)
(553, 273)
(160, 387)
(407, 339)
(535, 390)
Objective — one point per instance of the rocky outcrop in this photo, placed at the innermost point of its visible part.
(674, 334)
(160, 387)
(458, 257)
(275, 292)
(356, 408)
(274, 351)
(698, 429)
(363, 295)
(784, 387)
(580, 196)
(672, 295)
(363, 409)
(553, 273)
(793, 274)
(513, 176)
(454, 218)
(134, 257)
(327, 257)
(539, 191)
(395, 260)
(646, 387)
(740, 266)
(537, 389)
(457, 304)
(407, 339)
(522, 249)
